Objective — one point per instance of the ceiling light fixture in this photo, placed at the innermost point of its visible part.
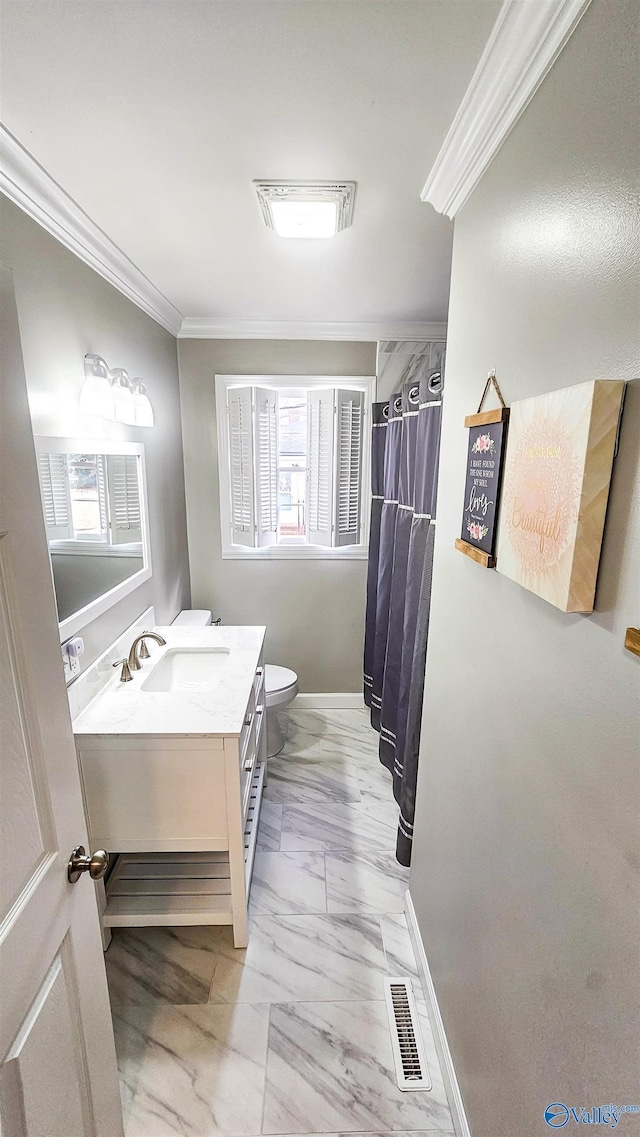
(306, 209)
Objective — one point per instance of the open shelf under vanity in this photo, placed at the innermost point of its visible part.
(181, 888)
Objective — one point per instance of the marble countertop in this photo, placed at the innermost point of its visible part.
(126, 708)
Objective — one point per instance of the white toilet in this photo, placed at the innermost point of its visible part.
(280, 684)
(281, 688)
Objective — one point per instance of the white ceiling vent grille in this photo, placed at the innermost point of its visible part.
(306, 209)
(408, 1048)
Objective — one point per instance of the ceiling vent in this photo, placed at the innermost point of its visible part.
(306, 209)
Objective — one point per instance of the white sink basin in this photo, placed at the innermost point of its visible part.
(188, 669)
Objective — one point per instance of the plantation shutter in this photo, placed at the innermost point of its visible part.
(56, 497)
(124, 498)
(348, 466)
(265, 405)
(103, 496)
(320, 419)
(239, 406)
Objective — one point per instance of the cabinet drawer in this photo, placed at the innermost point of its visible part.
(248, 723)
(258, 686)
(256, 700)
(250, 757)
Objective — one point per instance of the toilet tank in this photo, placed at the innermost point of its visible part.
(193, 618)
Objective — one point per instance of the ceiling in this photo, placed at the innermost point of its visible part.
(155, 116)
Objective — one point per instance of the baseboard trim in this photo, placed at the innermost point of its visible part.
(328, 701)
(456, 1104)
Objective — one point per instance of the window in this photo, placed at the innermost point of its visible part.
(293, 469)
(91, 498)
(293, 464)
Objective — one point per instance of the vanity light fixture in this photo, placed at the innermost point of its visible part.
(306, 209)
(123, 403)
(142, 406)
(112, 395)
(96, 395)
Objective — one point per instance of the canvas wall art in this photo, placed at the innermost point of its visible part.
(558, 467)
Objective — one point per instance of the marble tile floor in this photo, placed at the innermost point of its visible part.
(290, 1035)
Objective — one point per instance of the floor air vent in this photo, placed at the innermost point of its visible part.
(408, 1049)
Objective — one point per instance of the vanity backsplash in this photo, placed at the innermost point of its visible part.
(90, 682)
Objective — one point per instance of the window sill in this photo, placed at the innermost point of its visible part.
(296, 553)
(95, 549)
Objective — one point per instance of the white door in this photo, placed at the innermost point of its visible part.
(58, 1074)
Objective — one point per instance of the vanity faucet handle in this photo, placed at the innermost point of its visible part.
(125, 674)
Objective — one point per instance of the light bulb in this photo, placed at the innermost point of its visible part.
(306, 219)
(124, 407)
(96, 395)
(142, 404)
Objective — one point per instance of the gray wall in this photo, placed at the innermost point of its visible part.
(314, 610)
(65, 310)
(524, 874)
(402, 360)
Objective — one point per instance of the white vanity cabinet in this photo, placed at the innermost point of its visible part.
(181, 810)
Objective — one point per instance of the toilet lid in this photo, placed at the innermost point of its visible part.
(278, 678)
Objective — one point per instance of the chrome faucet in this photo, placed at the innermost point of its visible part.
(135, 656)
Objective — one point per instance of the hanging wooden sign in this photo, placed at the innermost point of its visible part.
(556, 486)
(487, 437)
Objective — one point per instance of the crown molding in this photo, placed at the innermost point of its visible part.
(25, 182)
(525, 42)
(204, 328)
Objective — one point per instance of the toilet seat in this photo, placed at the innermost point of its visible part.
(280, 684)
(278, 678)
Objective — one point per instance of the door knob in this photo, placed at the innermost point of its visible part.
(96, 865)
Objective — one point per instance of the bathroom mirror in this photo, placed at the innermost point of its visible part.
(95, 510)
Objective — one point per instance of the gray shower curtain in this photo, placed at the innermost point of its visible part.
(405, 450)
(378, 440)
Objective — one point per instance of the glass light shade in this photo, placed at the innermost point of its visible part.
(142, 404)
(96, 397)
(309, 219)
(124, 406)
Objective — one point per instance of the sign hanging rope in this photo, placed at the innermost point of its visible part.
(491, 382)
